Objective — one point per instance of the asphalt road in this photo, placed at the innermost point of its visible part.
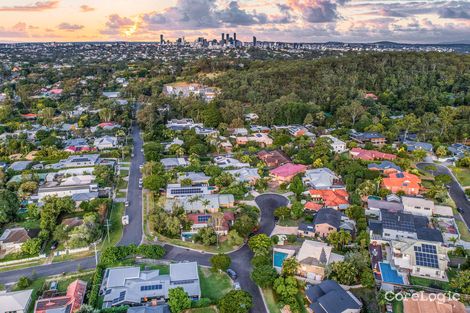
(455, 191)
(133, 231)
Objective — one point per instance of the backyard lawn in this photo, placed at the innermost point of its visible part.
(397, 306)
(462, 174)
(463, 230)
(208, 309)
(214, 285)
(268, 295)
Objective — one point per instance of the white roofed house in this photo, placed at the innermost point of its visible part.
(322, 178)
(337, 145)
(170, 163)
(106, 142)
(418, 206)
(245, 175)
(15, 301)
(201, 203)
(420, 258)
(132, 286)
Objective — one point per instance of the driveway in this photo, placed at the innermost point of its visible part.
(455, 190)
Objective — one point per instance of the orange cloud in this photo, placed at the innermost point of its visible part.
(35, 7)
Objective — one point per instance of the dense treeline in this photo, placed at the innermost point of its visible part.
(404, 82)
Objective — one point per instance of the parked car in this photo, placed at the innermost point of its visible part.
(233, 275)
(460, 210)
(53, 285)
(236, 286)
(127, 203)
(125, 220)
(54, 245)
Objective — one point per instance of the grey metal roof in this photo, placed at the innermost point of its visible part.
(328, 216)
(329, 297)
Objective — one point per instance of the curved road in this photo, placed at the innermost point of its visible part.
(455, 190)
(132, 234)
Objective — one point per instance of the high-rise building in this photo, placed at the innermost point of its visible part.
(228, 37)
(235, 37)
(223, 38)
(161, 38)
(254, 40)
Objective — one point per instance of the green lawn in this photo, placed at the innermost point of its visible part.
(270, 299)
(224, 247)
(64, 283)
(397, 306)
(463, 230)
(425, 282)
(214, 285)
(208, 309)
(124, 173)
(115, 230)
(462, 174)
(368, 297)
(164, 269)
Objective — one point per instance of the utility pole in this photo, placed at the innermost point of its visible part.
(107, 227)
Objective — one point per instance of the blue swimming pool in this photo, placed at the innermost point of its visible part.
(278, 258)
(390, 275)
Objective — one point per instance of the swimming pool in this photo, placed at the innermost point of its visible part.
(390, 275)
(278, 258)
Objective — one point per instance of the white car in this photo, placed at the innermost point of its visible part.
(125, 220)
(127, 203)
(141, 166)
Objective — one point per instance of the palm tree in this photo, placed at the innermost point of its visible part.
(205, 203)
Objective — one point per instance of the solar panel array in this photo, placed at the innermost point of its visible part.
(398, 221)
(121, 297)
(426, 255)
(203, 218)
(184, 191)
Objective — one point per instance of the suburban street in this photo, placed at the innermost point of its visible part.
(132, 233)
(455, 190)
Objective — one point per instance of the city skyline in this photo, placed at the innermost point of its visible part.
(418, 21)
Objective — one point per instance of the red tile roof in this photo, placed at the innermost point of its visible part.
(402, 181)
(288, 170)
(73, 298)
(329, 197)
(369, 155)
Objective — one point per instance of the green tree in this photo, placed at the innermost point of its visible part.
(234, 238)
(9, 205)
(289, 267)
(461, 282)
(104, 175)
(51, 210)
(31, 246)
(282, 212)
(260, 244)
(441, 151)
(344, 272)
(296, 186)
(367, 278)
(154, 182)
(286, 288)
(207, 236)
(236, 301)
(220, 262)
(23, 283)
(339, 239)
(264, 275)
(178, 300)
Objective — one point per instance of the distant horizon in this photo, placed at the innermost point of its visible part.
(308, 21)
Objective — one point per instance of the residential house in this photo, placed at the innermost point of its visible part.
(70, 302)
(182, 124)
(327, 221)
(273, 158)
(227, 162)
(423, 302)
(80, 161)
(329, 297)
(313, 258)
(405, 182)
(459, 150)
(376, 139)
(259, 129)
(13, 238)
(400, 225)
(178, 191)
(68, 186)
(251, 117)
(337, 145)
(385, 167)
(295, 130)
(201, 203)
(208, 220)
(15, 301)
(262, 139)
(197, 178)
(104, 126)
(322, 178)
(245, 175)
(416, 145)
(286, 172)
(420, 258)
(337, 199)
(129, 285)
(111, 94)
(170, 163)
(370, 155)
(239, 131)
(206, 131)
(374, 205)
(418, 206)
(19, 166)
(106, 142)
(226, 146)
(176, 141)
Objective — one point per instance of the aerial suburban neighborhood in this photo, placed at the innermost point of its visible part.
(221, 175)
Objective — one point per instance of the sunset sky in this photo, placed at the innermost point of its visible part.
(420, 21)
